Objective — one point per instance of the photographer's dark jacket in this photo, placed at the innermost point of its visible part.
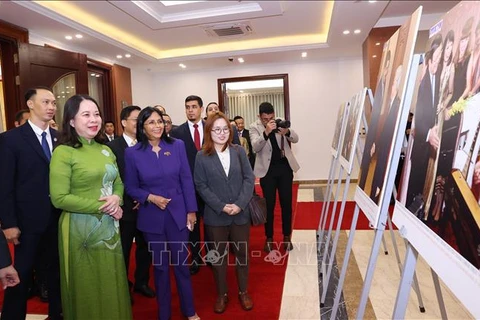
(263, 149)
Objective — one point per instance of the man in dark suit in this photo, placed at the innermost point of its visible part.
(28, 218)
(382, 144)
(110, 131)
(128, 223)
(425, 130)
(191, 132)
(244, 133)
(372, 129)
(8, 274)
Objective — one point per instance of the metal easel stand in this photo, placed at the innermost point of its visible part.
(326, 280)
(416, 286)
(332, 217)
(326, 205)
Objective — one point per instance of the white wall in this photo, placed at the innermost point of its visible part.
(316, 91)
(143, 90)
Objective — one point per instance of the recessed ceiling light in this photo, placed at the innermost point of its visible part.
(357, 31)
(128, 55)
(241, 91)
(92, 74)
(374, 56)
(241, 60)
(68, 37)
(372, 1)
(97, 75)
(119, 56)
(78, 36)
(304, 54)
(181, 65)
(346, 32)
(378, 43)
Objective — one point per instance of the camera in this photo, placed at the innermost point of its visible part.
(282, 123)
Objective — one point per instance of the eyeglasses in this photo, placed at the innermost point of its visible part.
(152, 123)
(168, 122)
(220, 130)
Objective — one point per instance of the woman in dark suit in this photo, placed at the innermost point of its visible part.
(158, 176)
(224, 179)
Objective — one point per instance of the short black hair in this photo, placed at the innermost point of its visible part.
(19, 114)
(237, 118)
(266, 107)
(125, 113)
(109, 121)
(142, 117)
(194, 98)
(33, 91)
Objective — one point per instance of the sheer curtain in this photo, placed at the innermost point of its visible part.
(246, 104)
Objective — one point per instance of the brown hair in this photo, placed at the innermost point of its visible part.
(208, 145)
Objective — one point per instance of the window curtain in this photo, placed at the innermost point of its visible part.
(246, 104)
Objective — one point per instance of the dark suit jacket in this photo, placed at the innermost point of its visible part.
(167, 176)
(24, 182)
(217, 189)
(5, 258)
(425, 118)
(372, 131)
(425, 114)
(383, 144)
(118, 147)
(182, 132)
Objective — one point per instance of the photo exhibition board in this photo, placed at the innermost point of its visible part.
(384, 135)
(352, 130)
(340, 128)
(438, 209)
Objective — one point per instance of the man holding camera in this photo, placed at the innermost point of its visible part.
(274, 165)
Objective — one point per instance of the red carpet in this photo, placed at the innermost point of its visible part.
(265, 284)
(308, 216)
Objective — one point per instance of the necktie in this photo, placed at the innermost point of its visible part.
(134, 142)
(196, 137)
(45, 147)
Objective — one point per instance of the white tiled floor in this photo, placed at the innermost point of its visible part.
(302, 279)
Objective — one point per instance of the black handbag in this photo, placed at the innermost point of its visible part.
(257, 205)
(258, 210)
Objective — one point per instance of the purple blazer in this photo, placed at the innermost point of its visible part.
(168, 176)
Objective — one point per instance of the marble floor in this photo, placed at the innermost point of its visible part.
(301, 293)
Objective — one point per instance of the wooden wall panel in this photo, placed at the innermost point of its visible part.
(122, 91)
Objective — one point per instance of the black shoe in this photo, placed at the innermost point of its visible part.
(145, 290)
(43, 293)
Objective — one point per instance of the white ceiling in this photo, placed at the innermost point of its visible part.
(160, 37)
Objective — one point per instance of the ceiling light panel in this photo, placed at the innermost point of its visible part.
(176, 3)
(149, 8)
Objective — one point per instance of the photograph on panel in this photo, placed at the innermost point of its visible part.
(342, 112)
(440, 183)
(385, 118)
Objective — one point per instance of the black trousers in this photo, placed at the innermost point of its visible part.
(194, 235)
(279, 177)
(15, 301)
(239, 239)
(143, 258)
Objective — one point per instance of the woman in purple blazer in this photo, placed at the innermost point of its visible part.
(158, 176)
